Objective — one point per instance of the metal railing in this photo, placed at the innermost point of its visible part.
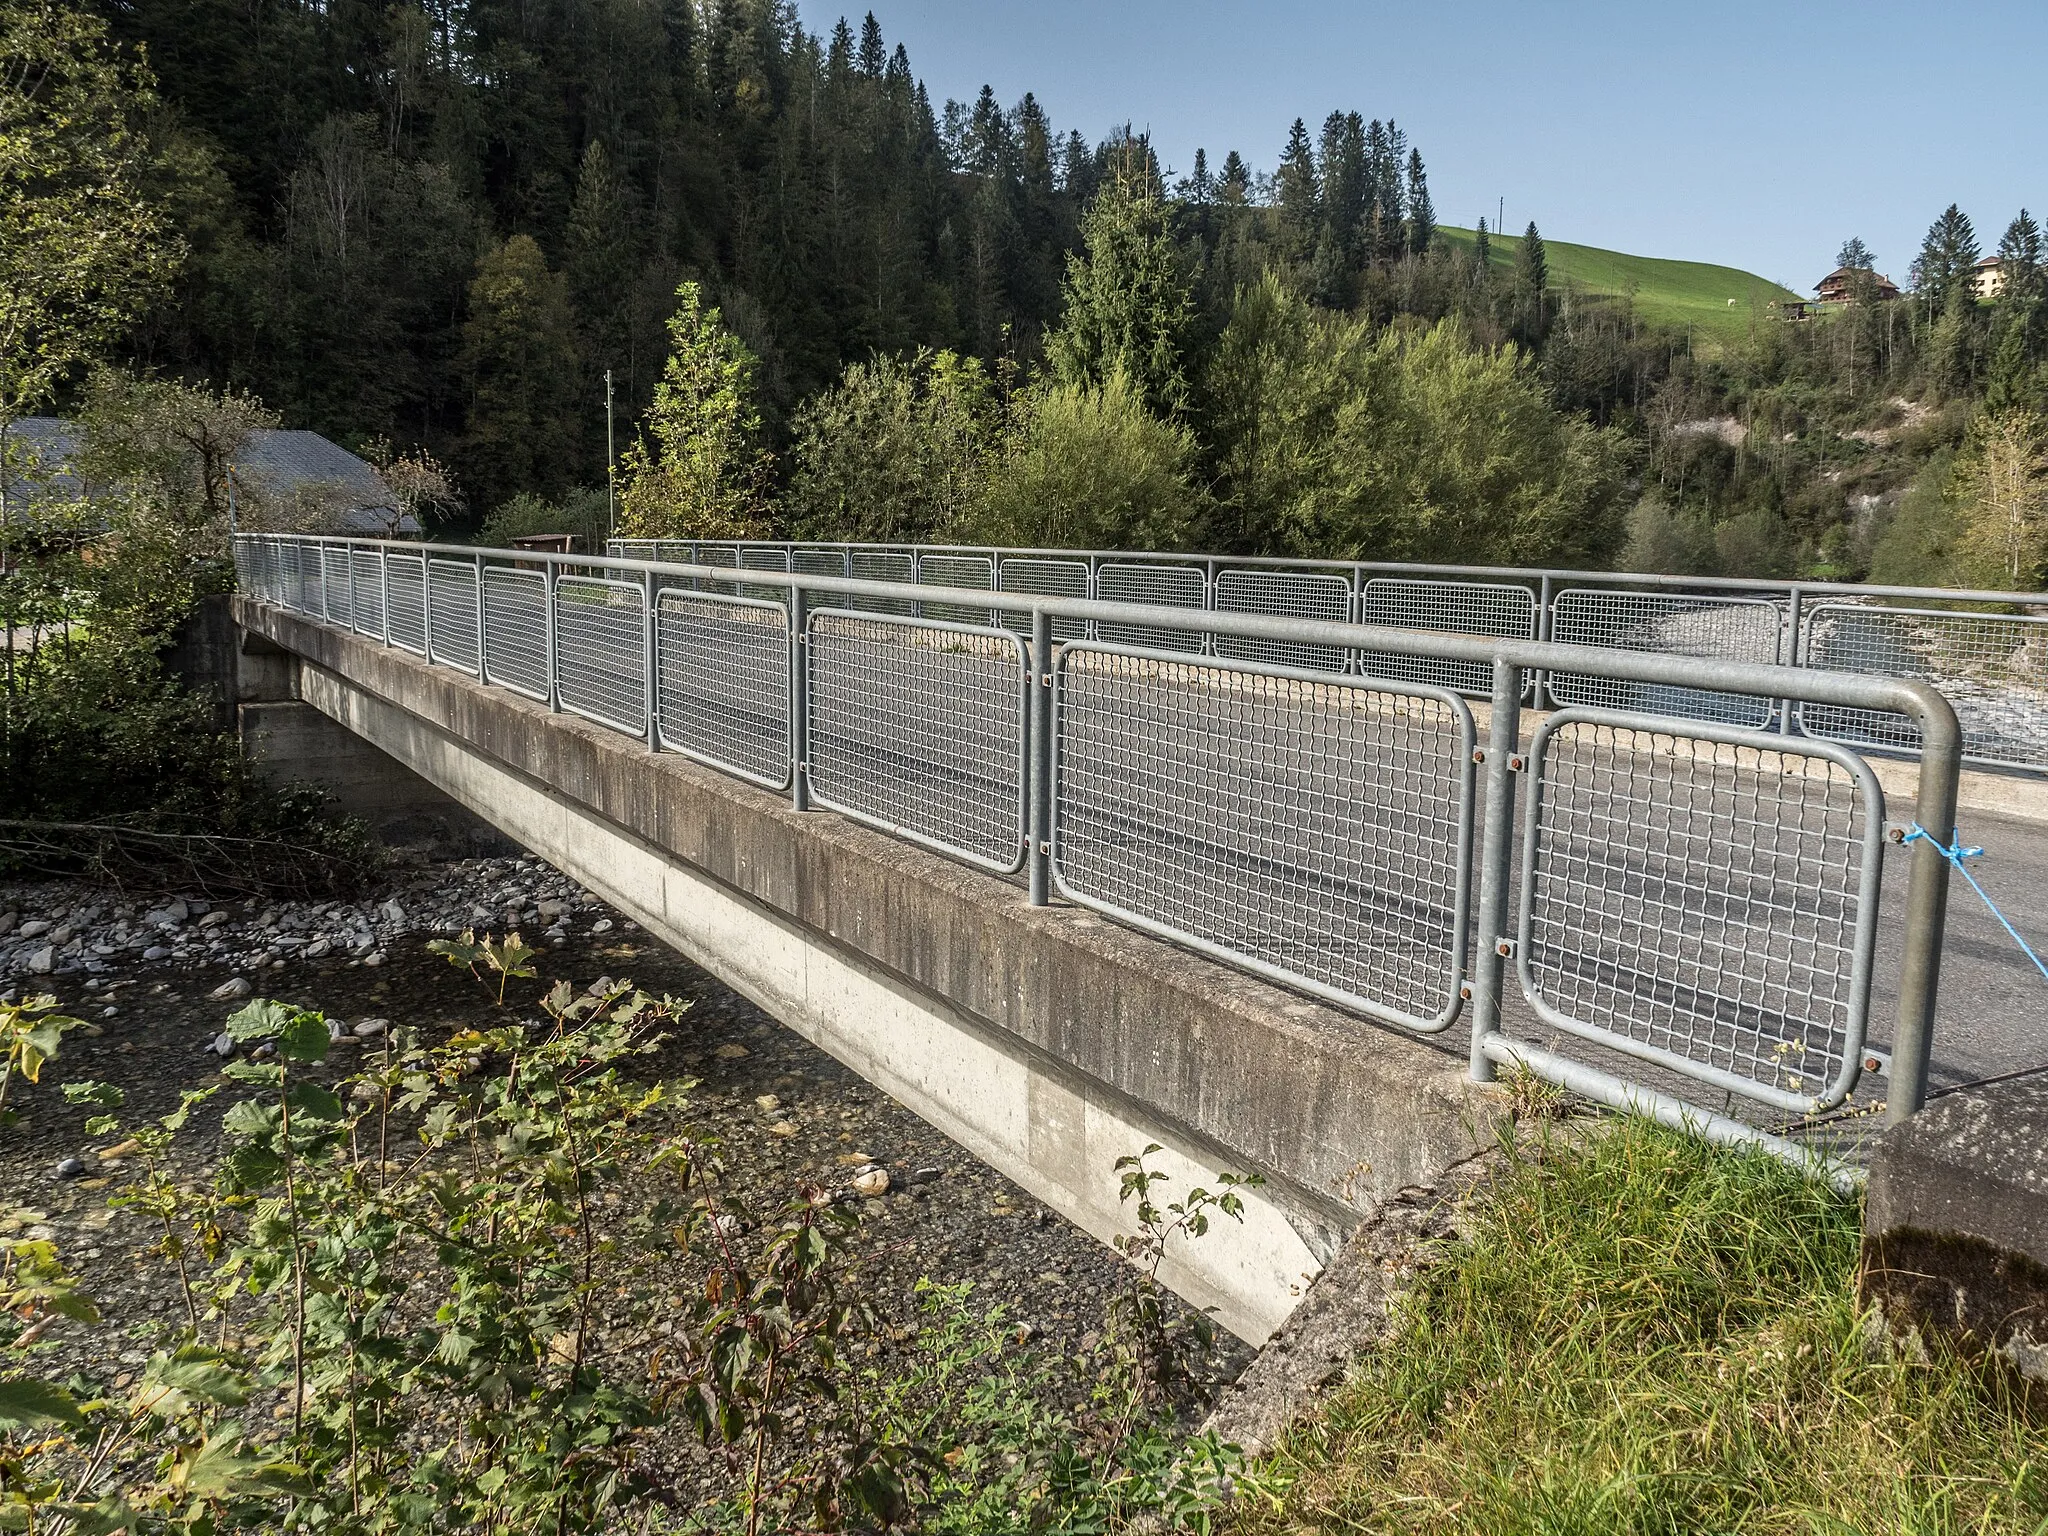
(1695, 897)
(1993, 667)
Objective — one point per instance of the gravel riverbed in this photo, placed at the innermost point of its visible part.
(155, 978)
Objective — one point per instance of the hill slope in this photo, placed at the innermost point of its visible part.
(1671, 293)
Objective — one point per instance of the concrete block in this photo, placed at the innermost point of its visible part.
(1956, 1223)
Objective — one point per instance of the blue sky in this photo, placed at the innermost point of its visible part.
(1759, 136)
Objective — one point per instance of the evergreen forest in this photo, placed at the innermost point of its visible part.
(832, 301)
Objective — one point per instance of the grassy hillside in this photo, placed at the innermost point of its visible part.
(1666, 292)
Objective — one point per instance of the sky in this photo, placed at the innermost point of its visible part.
(1758, 136)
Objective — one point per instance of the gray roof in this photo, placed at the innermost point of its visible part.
(277, 460)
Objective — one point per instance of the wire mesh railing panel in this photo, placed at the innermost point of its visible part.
(305, 595)
(763, 558)
(1286, 594)
(1166, 586)
(880, 565)
(1992, 667)
(334, 594)
(601, 650)
(1671, 624)
(723, 677)
(1703, 899)
(818, 562)
(1045, 578)
(1453, 607)
(945, 570)
(1314, 831)
(368, 571)
(516, 630)
(452, 614)
(405, 585)
(918, 728)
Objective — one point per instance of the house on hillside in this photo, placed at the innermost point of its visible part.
(1838, 287)
(1987, 278)
(329, 489)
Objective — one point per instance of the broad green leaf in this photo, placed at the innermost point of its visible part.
(25, 1401)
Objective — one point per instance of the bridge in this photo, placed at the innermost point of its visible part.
(1069, 873)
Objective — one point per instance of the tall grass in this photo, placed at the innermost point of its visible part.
(1646, 1334)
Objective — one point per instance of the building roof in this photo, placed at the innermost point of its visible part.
(275, 460)
(1842, 276)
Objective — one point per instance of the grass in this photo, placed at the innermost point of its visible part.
(1673, 293)
(1645, 1334)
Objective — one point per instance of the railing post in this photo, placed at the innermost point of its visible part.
(1502, 760)
(799, 700)
(1793, 614)
(652, 653)
(1539, 683)
(479, 618)
(1039, 759)
(384, 590)
(1209, 604)
(427, 604)
(1926, 925)
(348, 553)
(548, 573)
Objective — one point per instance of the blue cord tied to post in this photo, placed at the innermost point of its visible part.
(1956, 854)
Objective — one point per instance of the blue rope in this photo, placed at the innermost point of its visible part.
(1956, 853)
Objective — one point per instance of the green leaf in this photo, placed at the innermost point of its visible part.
(259, 1020)
(25, 1401)
(315, 1102)
(304, 1037)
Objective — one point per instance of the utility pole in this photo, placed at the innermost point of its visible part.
(611, 509)
(1500, 213)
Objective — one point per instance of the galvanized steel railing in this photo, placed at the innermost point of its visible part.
(1993, 667)
(1301, 796)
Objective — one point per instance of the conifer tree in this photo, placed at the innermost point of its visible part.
(1421, 212)
(872, 58)
(1947, 259)
(519, 363)
(707, 474)
(1234, 186)
(1532, 279)
(1482, 249)
(1298, 194)
(1129, 309)
(1856, 256)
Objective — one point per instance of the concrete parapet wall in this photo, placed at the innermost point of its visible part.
(1047, 1040)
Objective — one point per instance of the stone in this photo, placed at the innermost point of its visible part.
(369, 1029)
(71, 1168)
(602, 925)
(213, 919)
(319, 948)
(335, 1031)
(391, 911)
(156, 952)
(871, 1182)
(768, 1102)
(549, 909)
(7, 922)
(1955, 1224)
(34, 928)
(374, 960)
(233, 987)
(732, 1051)
(42, 961)
(223, 1046)
(783, 1128)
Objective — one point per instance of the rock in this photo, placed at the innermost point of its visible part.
(369, 1029)
(335, 1031)
(42, 961)
(213, 919)
(63, 935)
(223, 1046)
(7, 922)
(177, 911)
(602, 925)
(233, 987)
(783, 1128)
(34, 928)
(374, 960)
(768, 1102)
(71, 1168)
(319, 948)
(549, 909)
(919, 1176)
(391, 911)
(156, 952)
(732, 1051)
(870, 1183)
